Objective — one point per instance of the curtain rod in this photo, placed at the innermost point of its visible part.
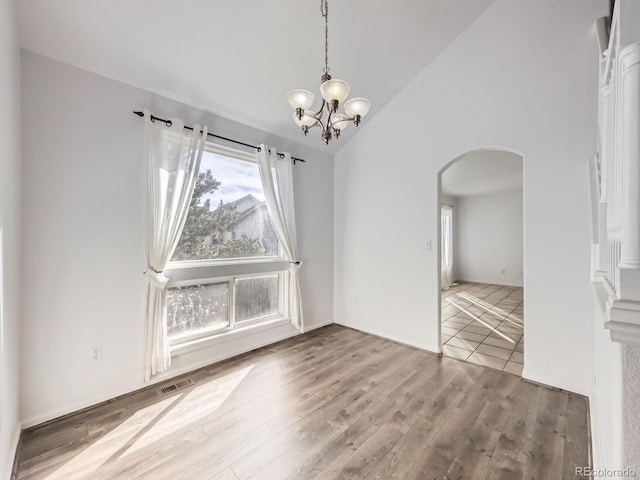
(447, 205)
(168, 124)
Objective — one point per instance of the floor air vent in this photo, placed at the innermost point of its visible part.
(176, 386)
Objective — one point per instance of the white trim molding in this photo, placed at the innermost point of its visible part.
(616, 179)
(624, 321)
(309, 328)
(14, 451)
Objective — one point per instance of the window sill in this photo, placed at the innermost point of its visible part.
(200, 343)
(195, 273)
(222, 262)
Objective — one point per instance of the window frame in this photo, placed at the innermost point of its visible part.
(185, 273)
(233, 324)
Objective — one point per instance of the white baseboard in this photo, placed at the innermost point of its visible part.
(317, 325)
(597, 457)
(401, 341)
(74, 407)
(487, 282)
(53, 414)
(13, 451)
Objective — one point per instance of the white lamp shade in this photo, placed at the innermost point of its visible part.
(305, 121)
(357, 106)
(300, 99)
(334, 89)
(340, 122)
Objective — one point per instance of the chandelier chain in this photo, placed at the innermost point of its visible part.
(328, 118)
(324, 10)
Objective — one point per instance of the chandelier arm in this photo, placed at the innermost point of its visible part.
(321, 124)
(319, 112)
(329, 117)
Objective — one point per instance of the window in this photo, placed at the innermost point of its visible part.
(228, 215)
(226, 272)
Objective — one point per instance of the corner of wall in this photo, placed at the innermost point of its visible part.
(10, 236)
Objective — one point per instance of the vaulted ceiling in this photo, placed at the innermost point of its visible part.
(239, 58)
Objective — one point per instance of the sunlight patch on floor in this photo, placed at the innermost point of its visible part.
(498, 312)
(153, 423)
(197, 403)
(496, 331)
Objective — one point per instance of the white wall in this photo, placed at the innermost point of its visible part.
(84, 230)
(522, 76)
(9, 235)
(490, 238)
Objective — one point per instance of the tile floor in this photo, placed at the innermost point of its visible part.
(484, 324)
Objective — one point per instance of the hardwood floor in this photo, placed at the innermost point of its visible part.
(332, 404)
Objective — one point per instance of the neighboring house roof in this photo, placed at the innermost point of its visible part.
(247, 206)
(245, 203)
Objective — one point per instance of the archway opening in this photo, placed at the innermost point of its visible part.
(481, 259)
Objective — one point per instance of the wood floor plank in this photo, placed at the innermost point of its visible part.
(218, 452)
(336, 450)
(397, 463)
(226, 474)
(290, 460)
(365, 458)
(482, 439)
(332, 404)
(306, 428)
(510, 455)
(546, 448)
(449, 439)
(576, 452)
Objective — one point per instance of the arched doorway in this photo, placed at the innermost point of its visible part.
(481, 259)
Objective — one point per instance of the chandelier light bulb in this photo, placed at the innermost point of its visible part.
(300, 98)
(357, 106)
(340, 122)
(306, 120)
(334, 89)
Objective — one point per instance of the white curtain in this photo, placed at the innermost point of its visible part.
(173, 159)
(277, 180)
(446, 269)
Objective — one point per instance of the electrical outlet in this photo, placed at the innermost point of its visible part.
(96, 353)
(427, 245)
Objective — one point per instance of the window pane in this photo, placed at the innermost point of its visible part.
(197, 307)
(228, 215)
(256, 297)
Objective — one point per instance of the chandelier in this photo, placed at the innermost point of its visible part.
(333, 92)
